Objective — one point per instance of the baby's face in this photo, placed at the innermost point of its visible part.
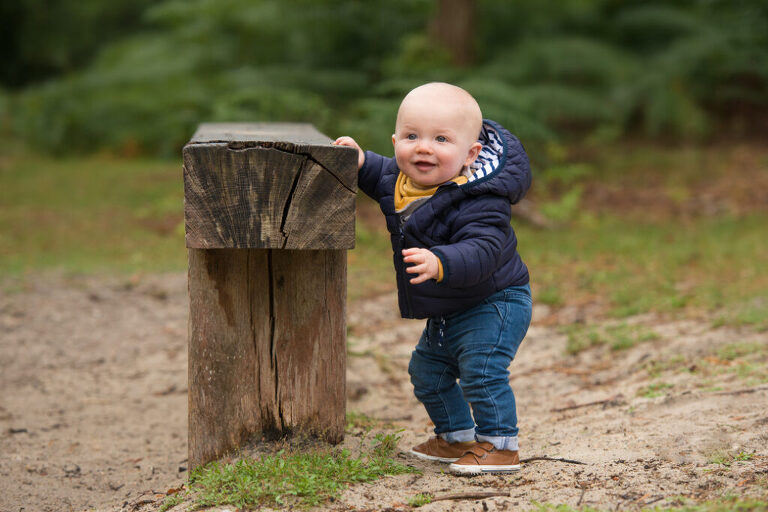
(433, 141)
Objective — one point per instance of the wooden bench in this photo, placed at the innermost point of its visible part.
(269, 212)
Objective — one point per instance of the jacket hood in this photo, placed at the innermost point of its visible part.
(502, 167)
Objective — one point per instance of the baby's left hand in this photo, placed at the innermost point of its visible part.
(426, 265)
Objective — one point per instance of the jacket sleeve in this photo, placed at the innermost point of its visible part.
(476, 247)
(369, 175)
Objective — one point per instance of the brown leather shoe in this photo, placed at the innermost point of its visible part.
(484, 458)
(437, 448)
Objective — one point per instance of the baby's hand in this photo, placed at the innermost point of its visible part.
(426, 265)
(349, 141)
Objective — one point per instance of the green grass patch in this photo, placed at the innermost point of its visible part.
(752, 373)
(550, 296)
(743, 456)
(727, 458)
(420, 500)
(90, 215)
(358, 420)
(752, 313)
(654, 390)
(746, 360)
(619, 337)
(675, 363)
(171, 501)
(633, 267)
(287, 480)
(734, 351)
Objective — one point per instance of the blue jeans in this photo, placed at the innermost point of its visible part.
(473, 347)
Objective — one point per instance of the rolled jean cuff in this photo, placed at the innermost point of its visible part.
(459, 436)
(500, 442)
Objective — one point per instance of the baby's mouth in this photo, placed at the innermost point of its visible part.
(424, 165)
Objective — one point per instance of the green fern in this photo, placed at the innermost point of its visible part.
(547, 69)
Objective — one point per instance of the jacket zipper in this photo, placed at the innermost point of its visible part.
(404, 276)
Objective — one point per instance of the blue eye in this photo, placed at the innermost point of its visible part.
(411, 136)
(440, 138)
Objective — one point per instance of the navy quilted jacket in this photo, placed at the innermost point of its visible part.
(466, 226)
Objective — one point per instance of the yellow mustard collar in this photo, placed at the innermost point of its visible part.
(406, 191)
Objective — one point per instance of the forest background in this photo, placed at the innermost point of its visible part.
(136, 77)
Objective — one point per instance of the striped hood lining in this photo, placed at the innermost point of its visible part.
(490, 156)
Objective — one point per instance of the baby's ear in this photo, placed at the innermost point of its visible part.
(393, 139)
(474, 151)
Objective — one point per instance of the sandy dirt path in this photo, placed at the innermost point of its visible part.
(93, 406)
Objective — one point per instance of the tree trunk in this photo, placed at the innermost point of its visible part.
(453, 27)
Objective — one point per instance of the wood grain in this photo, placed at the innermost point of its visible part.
(270, 186)
(267, 342)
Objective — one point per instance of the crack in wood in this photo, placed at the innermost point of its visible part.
(273, 340)
(252, 321)
(311, 158)
(289, 202)
(258, 195)
(283, 147)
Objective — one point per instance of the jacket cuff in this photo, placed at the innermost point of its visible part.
(368, 175)
(440, 265)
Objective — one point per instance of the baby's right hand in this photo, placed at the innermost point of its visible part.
(349, 141)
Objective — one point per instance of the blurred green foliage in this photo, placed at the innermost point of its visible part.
(45, 38)
(547, 69)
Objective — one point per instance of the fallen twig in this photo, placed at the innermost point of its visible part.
(614, 399)
(140, 503)
(654, 500)
(556, 459)
(741, 391)
(553, 368)
(470, 496)
(583, 492)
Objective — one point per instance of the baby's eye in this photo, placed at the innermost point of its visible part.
(411, 136)
(441, 138)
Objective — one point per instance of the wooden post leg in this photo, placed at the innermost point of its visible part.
(267, 335)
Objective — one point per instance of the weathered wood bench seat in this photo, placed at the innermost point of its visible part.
(269, 213)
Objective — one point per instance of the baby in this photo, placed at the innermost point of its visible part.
(446, 198)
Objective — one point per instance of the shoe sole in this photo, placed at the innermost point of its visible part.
(433, 458)
(460, 469)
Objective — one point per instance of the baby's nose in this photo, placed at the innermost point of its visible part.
(424, 146)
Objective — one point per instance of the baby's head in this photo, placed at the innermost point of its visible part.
(436, 133)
